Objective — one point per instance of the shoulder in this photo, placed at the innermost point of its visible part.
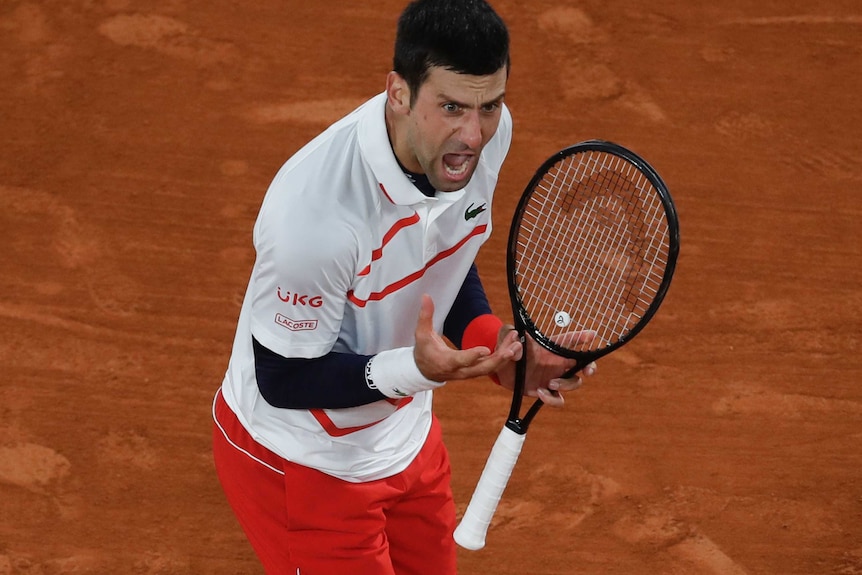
(320, 198)
(498, 146)
(332, 152)
(504, 130)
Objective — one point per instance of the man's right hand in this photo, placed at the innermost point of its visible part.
(439, 362)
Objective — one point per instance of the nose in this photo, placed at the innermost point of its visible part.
(471, 130)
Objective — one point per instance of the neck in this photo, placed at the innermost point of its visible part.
(395, 130)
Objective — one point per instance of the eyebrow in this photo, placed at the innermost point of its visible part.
(497, 100)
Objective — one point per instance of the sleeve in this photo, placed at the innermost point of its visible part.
(305, 261)
(333, 381)
(470, 322)
(307, 257)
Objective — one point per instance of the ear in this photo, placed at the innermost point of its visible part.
(397, 93)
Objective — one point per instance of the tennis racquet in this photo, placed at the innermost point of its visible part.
(592, 247)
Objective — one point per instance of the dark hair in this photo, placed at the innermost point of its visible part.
(464, 36)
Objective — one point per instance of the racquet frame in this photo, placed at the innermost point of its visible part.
(473, 527)
(525, 325)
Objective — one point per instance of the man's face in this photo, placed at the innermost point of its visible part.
(451, 119)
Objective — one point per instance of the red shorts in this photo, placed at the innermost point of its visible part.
(303, 522)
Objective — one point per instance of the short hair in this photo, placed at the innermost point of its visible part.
(464, 36)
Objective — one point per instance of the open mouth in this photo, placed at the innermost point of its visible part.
(456, 165)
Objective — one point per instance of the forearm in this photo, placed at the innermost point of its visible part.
(334, 381)
(342, 380)
(337, 380)
(470, 321)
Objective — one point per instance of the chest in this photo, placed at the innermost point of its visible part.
(408, 243)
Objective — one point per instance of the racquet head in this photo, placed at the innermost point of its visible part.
(592, 247)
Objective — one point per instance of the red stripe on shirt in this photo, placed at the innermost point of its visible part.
(333, 430)
(385, 193)
(392, 288)
(387, 237)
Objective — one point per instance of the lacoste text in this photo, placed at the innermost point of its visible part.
(296, 325)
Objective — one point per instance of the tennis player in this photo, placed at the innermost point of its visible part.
(324, 439)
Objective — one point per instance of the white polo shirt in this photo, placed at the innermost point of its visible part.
(346, 246)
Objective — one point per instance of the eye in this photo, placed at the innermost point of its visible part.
(451, 107)
(491, 108)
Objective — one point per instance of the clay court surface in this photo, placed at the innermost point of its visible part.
(138, 140)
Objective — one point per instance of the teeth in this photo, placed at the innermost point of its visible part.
(456, 170)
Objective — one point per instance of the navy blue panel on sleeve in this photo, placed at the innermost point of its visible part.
(334, 381)
(470, 303)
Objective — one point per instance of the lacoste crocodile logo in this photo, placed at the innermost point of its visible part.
(471, 213)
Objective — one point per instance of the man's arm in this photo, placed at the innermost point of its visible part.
(339, 380)
(333, 381)
(470, 322)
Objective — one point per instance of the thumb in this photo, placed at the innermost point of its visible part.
(574, 338)
(425, 322)
(587, 335)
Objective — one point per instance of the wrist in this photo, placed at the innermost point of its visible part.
(394, 374)
(483, 330)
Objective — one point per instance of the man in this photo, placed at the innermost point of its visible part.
(324, 439)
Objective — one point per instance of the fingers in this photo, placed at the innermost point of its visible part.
(509, 345)
(561, 384)
(574, 382)
(439, 362)
(553, 394)
(550, 398)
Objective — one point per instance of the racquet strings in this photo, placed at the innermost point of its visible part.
(591, 250)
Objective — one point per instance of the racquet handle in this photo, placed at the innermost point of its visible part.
(470, 533)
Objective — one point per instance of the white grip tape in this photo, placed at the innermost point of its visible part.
(470, 533)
